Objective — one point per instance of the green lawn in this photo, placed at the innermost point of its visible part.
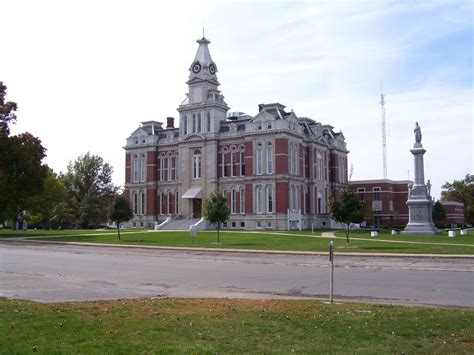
(293, 241)
(8, 233)
(231, 326)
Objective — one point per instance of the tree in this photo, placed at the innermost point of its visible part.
(461, 191)
(7, 112)
(21, 170)
(22, 174)
(121, 212)
(347, 209)
(47, 206)
(439, 213)
(89, 190)
(215, 210)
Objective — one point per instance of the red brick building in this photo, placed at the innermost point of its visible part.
(387, 203)
(454, 214)
(267, 165)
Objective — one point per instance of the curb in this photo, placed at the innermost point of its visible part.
(256, 251)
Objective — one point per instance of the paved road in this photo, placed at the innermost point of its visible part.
(53, 272)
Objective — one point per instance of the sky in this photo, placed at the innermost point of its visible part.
(86, 73)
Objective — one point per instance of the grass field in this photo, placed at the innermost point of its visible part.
(293, 241)
(230, 326)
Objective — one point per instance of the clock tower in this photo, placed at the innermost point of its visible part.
(204, 106)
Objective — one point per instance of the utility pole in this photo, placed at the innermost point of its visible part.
(384, 136)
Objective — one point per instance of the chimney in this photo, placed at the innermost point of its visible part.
(169, 122)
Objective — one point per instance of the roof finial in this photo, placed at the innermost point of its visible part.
(203, 33)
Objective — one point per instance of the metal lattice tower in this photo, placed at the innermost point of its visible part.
(384, 136)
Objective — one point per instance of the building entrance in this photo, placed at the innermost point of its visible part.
(197, 208)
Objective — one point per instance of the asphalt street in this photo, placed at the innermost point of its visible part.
(55, 272)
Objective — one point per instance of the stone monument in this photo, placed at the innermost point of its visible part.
(419, 200)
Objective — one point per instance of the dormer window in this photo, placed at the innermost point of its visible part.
(143, 141)
(269, 125)
(136, 141)
(259, 127)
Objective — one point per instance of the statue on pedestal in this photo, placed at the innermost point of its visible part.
(419, 200)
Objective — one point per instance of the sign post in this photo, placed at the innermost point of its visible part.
(331, 282)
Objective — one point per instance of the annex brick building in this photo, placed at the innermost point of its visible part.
(267, 165)
(387, 199)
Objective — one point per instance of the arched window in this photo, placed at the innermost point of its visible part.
(135, 171)
(269, 158)
(259, 159)
(319, 166)
(197, 164)
(224, 163)
(242, 160)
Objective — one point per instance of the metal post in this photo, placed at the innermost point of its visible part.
(331, 258)
(312, 228)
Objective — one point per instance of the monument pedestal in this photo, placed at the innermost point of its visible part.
(420, 218)
(419, 200)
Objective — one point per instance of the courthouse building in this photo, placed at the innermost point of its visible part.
(276, 169)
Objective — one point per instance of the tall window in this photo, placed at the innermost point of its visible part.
(242, 200)
(319, 166)
(233, 201)
(290, 158)
(296, 159)
(197, 164)
(170, 203)
(135, 203)
(163, 204)
(269, 199)
(143, 168)
(170, 172)
(320, 202)
(259, 199)
(269, 158)
(185, 125)
(176, 201)
(233, 164)
(208, 121)
(162, 168)
(376, 193)
(142, 198)
(224, 166)
(361, 193)
(199, 122)
(176, 167)
(342, 172)
(135, 171)
(305, 162)
(194, 123)
(258, 159)
(242, 163)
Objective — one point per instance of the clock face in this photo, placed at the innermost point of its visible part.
(212, 69)
(196, 68)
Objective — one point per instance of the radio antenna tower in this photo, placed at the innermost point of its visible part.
(384, 136)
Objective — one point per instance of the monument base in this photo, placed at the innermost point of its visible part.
(420, 229)
(420, 220)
